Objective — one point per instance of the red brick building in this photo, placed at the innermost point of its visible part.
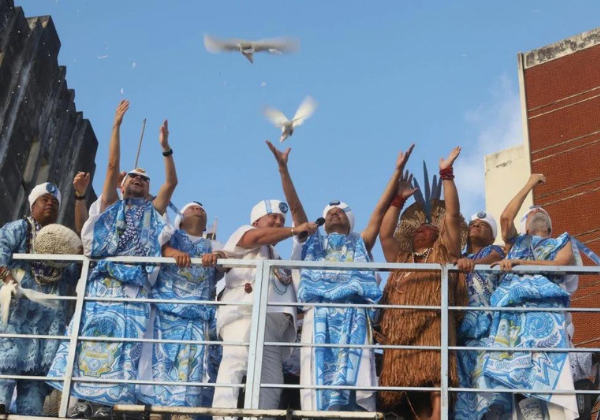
(560, 93)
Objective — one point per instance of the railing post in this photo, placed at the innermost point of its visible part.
(257, 334)
(76, 320)
(444, 343)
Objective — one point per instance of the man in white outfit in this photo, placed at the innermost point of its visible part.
(257, 241)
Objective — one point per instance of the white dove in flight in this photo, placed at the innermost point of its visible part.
(248, 48)
(305, 110)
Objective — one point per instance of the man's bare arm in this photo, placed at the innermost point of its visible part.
(369, 234)
(163, 198)
(80, 184)
(291, 196)
(507, 218)
(452, 217)
(109, 195)
(273, 235)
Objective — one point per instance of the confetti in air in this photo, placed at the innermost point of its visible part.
(102, 57)
(263, 84)
(133, 65)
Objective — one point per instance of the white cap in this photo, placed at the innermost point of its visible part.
(268, 207)
(45, 188)
(343, 206)
(487, 218)
(179, 217)
(526, 215)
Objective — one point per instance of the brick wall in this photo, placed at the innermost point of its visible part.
(563, 114)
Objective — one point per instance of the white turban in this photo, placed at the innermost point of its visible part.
(487, 218)
(343, 206)
(179, 217)
(268, 207)
(45, 188)
(137, 171)
(526, 215)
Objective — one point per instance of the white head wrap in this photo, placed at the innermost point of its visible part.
(179, 217)
(45, 188)
(487, 218)
(526, 215)
(268, 207)
(138, 171)
(343, 206)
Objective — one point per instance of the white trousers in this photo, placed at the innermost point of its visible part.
(235, 362)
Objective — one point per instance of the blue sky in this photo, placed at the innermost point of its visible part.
(385, 74)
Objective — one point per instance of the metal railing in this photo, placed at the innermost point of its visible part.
(257, 342)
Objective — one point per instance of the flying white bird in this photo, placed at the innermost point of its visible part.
(248, 48)
(305, 110)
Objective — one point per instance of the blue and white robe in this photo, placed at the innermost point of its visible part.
(527, 370)
(130, 227)
(30, 356)
(474, 332)
(181, 362)
(334, 366)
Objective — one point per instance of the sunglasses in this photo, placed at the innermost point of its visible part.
(142, 177)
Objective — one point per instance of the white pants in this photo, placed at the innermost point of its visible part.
(235, 362)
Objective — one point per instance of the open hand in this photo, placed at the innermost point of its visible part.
(121, 110)
(403, 158)
(280, 157)
(163, 137)
(449, 161)
(405, 185)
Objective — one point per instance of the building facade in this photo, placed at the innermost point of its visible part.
(42, 135)
(560, 106)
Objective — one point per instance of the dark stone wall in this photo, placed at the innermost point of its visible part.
(43, 137)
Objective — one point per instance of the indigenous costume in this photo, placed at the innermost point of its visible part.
(170, 362)
(233, 322)
(418, 368)
(130, 227)
(326, 366)
(30, 314)
(528, 370)
(474, 332)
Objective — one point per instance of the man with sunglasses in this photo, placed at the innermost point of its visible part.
(132, 226)
(529, 370)
(326, 366)
(168, 362)
(257, 241)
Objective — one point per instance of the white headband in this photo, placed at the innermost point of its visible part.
(268, 207)
(343, 206)
(526, 215)
(179, 217)
(42, 189)
(487, 218)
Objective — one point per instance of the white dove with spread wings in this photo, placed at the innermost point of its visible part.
(305, 110)
(248, 48)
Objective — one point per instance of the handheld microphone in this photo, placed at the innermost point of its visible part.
(303, 235)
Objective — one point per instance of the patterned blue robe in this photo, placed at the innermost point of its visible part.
(181, 362)
(30, 356)
(474, 332)
(130, 227)
(532, 329)
(335, 366)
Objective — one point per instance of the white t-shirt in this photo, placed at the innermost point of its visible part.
(238, 277)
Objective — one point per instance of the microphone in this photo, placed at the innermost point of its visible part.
(303, 235)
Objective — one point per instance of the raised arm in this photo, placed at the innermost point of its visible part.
(291, 196)
(390, 245)
(452, 216)
(109, 195)
(163, 198)
(80, 184)
(273, 235)
(369, 234)
(507, 219)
